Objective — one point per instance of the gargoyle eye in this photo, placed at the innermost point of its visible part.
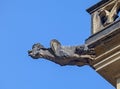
(39, 48)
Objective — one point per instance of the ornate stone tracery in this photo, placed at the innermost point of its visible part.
(106, 15)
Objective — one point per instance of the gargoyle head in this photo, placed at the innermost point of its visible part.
(37, 51)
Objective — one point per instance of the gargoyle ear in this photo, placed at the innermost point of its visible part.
(54, 44)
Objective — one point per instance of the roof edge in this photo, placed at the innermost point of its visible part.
(89, 10)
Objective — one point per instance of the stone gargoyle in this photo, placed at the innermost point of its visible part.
(63, 55)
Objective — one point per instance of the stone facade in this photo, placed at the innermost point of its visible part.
(105, 40)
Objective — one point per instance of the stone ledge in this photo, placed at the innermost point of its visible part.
(107, 61)
(93, 8)
(107, 31)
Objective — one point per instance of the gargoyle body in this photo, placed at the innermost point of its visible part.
(63, 55)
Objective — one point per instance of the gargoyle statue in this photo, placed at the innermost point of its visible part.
(63, 55)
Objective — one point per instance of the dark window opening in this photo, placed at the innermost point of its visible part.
(103, 19)
(118, 16)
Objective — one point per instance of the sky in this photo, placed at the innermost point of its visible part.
(25, 22)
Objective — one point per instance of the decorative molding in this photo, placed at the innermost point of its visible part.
(107, 61)
(108, 52)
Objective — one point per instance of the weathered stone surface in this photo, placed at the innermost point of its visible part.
(104, 14)
(107, 47)
(118, 83)
(111, 29)
(101, 50)
(63, 55)
(105, 39)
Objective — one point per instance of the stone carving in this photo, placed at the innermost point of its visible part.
(106, 15)
(97, 24)
(63, 55)
(111, 15)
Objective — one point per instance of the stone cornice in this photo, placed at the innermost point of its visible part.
(98, 5)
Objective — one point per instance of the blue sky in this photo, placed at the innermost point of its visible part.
(25, 22)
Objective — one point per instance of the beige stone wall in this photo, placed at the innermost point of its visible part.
(118, 83)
